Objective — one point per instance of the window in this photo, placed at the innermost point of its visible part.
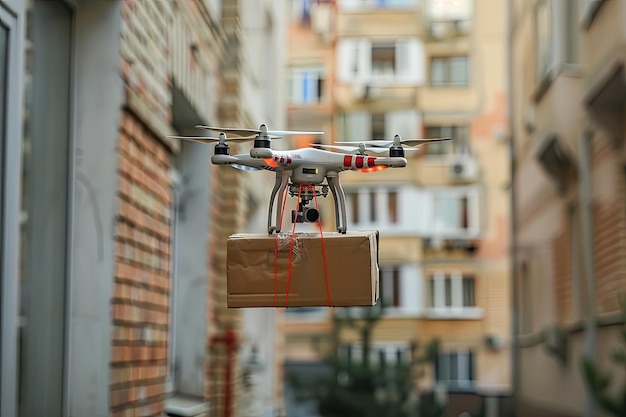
(378, 206)
(383, 59)
(301, 11)
(381, 353)
(392, 206)
(189, 270)
(525, 297)
(390, 286)
(378, 126)
(451, 291)
(44, 210)
(455, 212)
(360, 4)
(459, 145)
(306, 85)
(361, 61)
(456, 369)
(450, 71)
(358, 126)
(571, 31)
(543, 40)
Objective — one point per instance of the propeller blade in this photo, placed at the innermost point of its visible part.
(351, 149)
(375, 143)
(417, 142)
(233, 130)
(208, 139)
(387, 143)
(292, 132)
(274, 134)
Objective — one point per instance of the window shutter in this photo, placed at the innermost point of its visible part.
(346, 60)
(410, 61)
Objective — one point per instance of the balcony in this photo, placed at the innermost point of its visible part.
(375, 21)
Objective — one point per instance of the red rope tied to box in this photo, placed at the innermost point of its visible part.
(280, 226)
(293, 229)
(319, 223)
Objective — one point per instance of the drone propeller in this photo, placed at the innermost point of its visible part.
(356, 148)
(398, 141)
(274, 134)
(208, 139)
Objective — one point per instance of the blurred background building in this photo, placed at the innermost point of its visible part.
(113, 255)
(370, 70)
(568, 100)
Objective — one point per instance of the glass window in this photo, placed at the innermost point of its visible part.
(4, 41)
(44, 211)
(383, 59)
(378, 126)
(543, 33)
(450, 71)
(306, 85)
(392, 201)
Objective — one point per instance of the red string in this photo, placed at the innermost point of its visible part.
(319, 223)
(280, 226)
(293, 234)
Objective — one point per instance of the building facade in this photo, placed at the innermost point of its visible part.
(420, 69)
(568, 87)
(113, 256)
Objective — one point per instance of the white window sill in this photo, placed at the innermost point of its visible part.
(184, 406)
(400, 312)
(466, 313)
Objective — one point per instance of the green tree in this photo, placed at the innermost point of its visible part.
(360, 388)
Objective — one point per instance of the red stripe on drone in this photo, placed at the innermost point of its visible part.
(288, 160)
(359, 161)
(371, 161)
(347, 161)
(282, 160)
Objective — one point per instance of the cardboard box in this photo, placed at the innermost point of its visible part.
(258, 269)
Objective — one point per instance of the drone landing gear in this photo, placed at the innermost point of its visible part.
(306, 194)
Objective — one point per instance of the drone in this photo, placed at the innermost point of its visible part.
(302, 172)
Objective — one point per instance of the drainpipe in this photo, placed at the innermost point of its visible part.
(586, 211)
(513, 218)
(229, 338)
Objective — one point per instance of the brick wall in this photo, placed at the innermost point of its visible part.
(141, 294)
(561, 249)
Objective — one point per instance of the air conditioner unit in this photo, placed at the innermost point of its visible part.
(464, 169)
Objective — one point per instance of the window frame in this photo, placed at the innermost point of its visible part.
(12, 17)
(469, 359)
(298, 76)
(448, 81)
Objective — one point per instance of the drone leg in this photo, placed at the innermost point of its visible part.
(333, 190)
(281, 195)
(340, 204)
(277, 185)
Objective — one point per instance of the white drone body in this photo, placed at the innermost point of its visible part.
(303, 171)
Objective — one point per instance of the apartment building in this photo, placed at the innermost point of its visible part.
(112, 291)
(420, 69)
(568, 87)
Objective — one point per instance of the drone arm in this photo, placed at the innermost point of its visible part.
(340, 202)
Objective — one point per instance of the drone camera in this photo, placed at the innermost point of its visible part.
(308, 214)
